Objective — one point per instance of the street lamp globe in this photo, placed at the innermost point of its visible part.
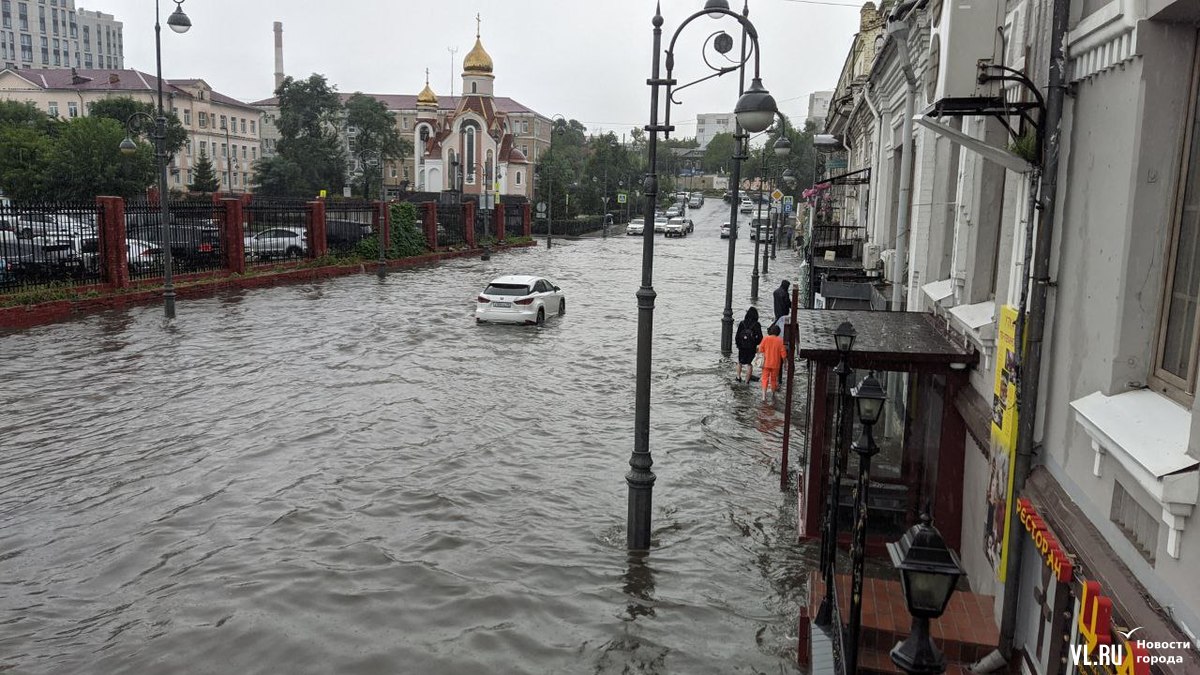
(843, 338)
(869, 396)
(178, 21)
(714, 7)
(128, 147)
(756, 109)
(789, 179)
(783, 147)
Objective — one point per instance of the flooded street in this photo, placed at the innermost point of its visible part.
(353, 477)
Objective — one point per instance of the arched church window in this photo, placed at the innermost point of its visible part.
(470, 154)
(474, 87)
(518, 178)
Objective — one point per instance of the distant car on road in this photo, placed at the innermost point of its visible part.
(674, 211)
(519, 299)
(660, 224)
(724, 230)
(676, 227)
(746, 206)
(635, 227)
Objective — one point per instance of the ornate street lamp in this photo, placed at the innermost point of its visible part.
(869, 397)
(783, 148)
(843, 339)
(180, 23)
(929, 572)
(749, 112)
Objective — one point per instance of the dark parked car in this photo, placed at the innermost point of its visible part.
(195, 243)
(343, 235)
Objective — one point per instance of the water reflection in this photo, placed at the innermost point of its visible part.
(638, 586)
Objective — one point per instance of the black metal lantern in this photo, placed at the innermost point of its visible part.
(843, 337)
(869, 396)
(789, 179)
(756, 109)
(178, 21)
(782, 146)
(715, 7)
(929, 572)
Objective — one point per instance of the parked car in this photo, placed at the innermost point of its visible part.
(277, 242)
(760, 228)
(660, 224)
(746, 206)
(519, 299)
(343, 235)
(194, 244)
(727, 196)
(635, 227)
(142, 256)
(676, 227)
(674, 211)
(724, 230)
(695, 202)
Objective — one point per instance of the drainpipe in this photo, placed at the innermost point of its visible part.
(1034, 333)
(897, 29)
(877, 143)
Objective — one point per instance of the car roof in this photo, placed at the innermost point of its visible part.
(519, 279)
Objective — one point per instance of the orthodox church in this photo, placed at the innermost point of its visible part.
(473, 146)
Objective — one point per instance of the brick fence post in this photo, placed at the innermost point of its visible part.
(498, 224)
(526, 220)
(468, 215)
(233, 242)
(113, 252)
(318, 246)
(431, 225)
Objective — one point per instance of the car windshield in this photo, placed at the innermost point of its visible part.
(507, 289)
(660, 220)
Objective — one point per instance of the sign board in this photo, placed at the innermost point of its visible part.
(830, 256)
(777, 194)
(345, 191)
(787, 207)
(788, 200)
(1004, 441)
(622, 197)
(541, 207)
(835, 163)
(323, 194)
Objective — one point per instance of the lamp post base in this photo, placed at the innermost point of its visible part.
(727, 332)
(169, 302)
(917, 654)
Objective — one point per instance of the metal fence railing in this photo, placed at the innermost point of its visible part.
(571, 228)
(347, 223)
(193, 233)
(275, 229)
(514, 219)
(450, 226)
(49, 243)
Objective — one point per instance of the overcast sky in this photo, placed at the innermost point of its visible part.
(583, 59)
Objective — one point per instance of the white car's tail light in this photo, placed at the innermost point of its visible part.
(526, 301)
(482, 299)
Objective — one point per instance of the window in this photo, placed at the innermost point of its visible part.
(72, 109)
(52, 109)
(223, 122)
(393, 171)
(243, 152)
(243, 125)
(189, 147)
(525, 126)
(1179, 325)
(1135, 522)
(204, 147)
(518, 178)
(252, 129)
(187, 116)
(404, 123)
(202, 118)
(224, 150)
(254, 153)
(470, 154)
(474, 88)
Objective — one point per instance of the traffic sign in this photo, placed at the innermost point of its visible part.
(541, 207)
(776, 195)
(622, 197)
(789, 200)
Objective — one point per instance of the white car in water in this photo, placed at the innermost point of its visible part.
(635, 227)
(519, 299)
(724, 230)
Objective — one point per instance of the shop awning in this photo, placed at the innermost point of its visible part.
(913, 341)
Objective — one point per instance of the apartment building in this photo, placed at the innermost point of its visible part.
(228, 131)
(818, 107)
(1105, 537)
(54, 34)
(711, 124)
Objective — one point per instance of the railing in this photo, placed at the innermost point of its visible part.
(49, 243)
(346, 224)
(450, 229)
(571, 228)
(193, 233)
(837, 634)
(514, 219)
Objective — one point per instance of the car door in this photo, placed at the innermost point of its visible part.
(550, 297)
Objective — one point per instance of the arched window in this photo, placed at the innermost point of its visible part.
(470, 155)
(489, 170)
(474, 87)
(518, 178)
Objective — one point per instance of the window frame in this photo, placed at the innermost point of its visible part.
(1180, 389)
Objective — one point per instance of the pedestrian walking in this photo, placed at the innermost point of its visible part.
(773, 353)
(749, 335)
(783, 300)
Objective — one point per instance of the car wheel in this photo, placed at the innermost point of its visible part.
(541, 318)
(293, 252)
(562, 306)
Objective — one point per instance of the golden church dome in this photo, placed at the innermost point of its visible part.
(477, 60)
(427, 95)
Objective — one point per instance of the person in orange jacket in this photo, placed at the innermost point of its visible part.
(773, 352)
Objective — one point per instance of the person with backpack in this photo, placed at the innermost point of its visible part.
(783, 300)
(749, 334)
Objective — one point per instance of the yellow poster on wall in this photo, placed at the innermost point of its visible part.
(1004, 442)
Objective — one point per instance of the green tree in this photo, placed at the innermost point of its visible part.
(25, 115)
(24, 162)
(310, 155)
(122, 109)
(376, 140)
(204, 177)
(718, 154)
(86, 161)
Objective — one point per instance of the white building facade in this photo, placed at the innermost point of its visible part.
(41, 34)
(711, 124)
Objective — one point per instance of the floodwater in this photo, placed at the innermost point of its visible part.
(353, 477)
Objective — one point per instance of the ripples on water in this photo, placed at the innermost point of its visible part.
(352, 477)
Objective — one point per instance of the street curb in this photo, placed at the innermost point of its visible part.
(203, 285)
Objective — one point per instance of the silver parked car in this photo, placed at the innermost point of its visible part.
(277, 242)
